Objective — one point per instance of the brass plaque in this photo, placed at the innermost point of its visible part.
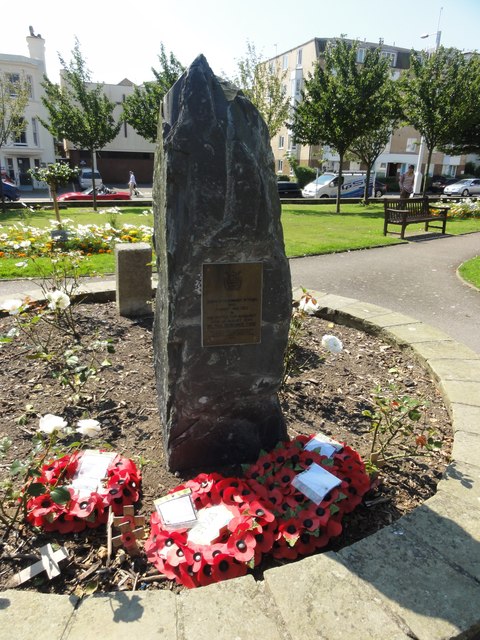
(231, 303)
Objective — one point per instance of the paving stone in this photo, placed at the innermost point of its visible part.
(124, 616)
(335, 302)
(419, 332)
(449, 525)
(320, 599)
(465, 418)
(392, 319)
(461, 391)
(232, 610)
(462, 481)
(364, 310)
(460, 369)
(466, 447)
(445, 349)
(434, 599)
(28, 615)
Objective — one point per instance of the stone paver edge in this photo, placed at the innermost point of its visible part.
(363, 316)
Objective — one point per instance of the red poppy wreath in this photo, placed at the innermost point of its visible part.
(238, 545)
(68, 499)
(303, 526)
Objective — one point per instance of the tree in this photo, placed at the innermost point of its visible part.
(436, 97)
(335, 109)
(262, 83)
(78, 111)
(142, 108)
(55, 175)
(14, 96)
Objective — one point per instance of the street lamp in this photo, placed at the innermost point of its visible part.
(418, 173)
(417, 183)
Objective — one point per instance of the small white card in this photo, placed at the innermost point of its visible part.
(91, 471)
(315, 482)
(177, 509)
(324, 445)
(211, 522)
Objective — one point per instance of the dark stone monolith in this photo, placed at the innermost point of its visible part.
(223, 302)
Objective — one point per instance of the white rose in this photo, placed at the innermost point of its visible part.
(50, 423)
(90, 428)
(332, 344)
(13, 306)
(57, 300)
(308, 304)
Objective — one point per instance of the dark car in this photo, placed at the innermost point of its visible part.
(380, 189)
(10, 191)
(288, 189)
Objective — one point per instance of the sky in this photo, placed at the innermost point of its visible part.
(122, 39)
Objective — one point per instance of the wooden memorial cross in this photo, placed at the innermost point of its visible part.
(48, 562)
(131, 529)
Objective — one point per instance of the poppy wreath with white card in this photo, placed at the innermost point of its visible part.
(225, 531)
(75, 491)
(292, 477)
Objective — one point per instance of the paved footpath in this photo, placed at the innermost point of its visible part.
(417, 579)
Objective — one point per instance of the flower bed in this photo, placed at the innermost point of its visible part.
(77, 512)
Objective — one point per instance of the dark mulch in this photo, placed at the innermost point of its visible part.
(325, 393)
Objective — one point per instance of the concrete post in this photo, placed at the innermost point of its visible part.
(134, 279)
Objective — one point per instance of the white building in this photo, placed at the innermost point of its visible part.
(35, 147)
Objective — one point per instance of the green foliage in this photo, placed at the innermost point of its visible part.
(142, 108)
(77, 110)
(397, 429)
(262, 83)
(55, 175)
(304, 175)
(470, 271)
(337, 102)
(427, 90)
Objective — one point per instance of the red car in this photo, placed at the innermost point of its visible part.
(103, 193)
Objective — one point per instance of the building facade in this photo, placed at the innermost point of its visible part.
(403, 148)
(35, 147)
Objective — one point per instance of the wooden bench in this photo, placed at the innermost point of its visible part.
(412, 210)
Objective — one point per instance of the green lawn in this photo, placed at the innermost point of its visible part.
(308, 230)
(470, 271)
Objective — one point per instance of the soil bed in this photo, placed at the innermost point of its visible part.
(325, 392)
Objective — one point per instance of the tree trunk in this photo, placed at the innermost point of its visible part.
(94, 167)
(427, 168)
(53, 192)
(366, 192)
(340, 180)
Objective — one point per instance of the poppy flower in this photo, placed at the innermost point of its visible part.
(242, 546)
(225, 567)
(290, 530)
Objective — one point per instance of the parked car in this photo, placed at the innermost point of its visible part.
(10, 191)
(103, 193)
(466, 187)
(288, 189)
(353, 186)
(85, 178)
(439, 183)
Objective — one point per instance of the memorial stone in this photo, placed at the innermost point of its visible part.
(223, 302)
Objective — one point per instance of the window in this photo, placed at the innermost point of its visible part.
(392, 56)
(281, 142)
(285, 62)
(14, 79)
(21, 140)
(411, 145)
(30, 86)
(279, 166)
(299, 57)
(35, 132)
(298, 86)
(449, 170)
(361, 55)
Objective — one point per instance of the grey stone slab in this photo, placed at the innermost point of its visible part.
(461, 391)
(392, 319)
(434, 599)
(419, 332)
(460, 369)
(28, 615)
(335, 302)
(365, 310)
(448, 349)
(462, 481)
(320, 599)
(465, 417)
(235, 609)
(133, 278)
(449, 525)
(466, 447)
(125, 615)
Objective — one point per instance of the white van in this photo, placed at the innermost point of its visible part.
(85, 178)
(325, 186)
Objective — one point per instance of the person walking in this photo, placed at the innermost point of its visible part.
(132, 184)
(406, 181)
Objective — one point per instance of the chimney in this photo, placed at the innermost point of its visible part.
(36, 47)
